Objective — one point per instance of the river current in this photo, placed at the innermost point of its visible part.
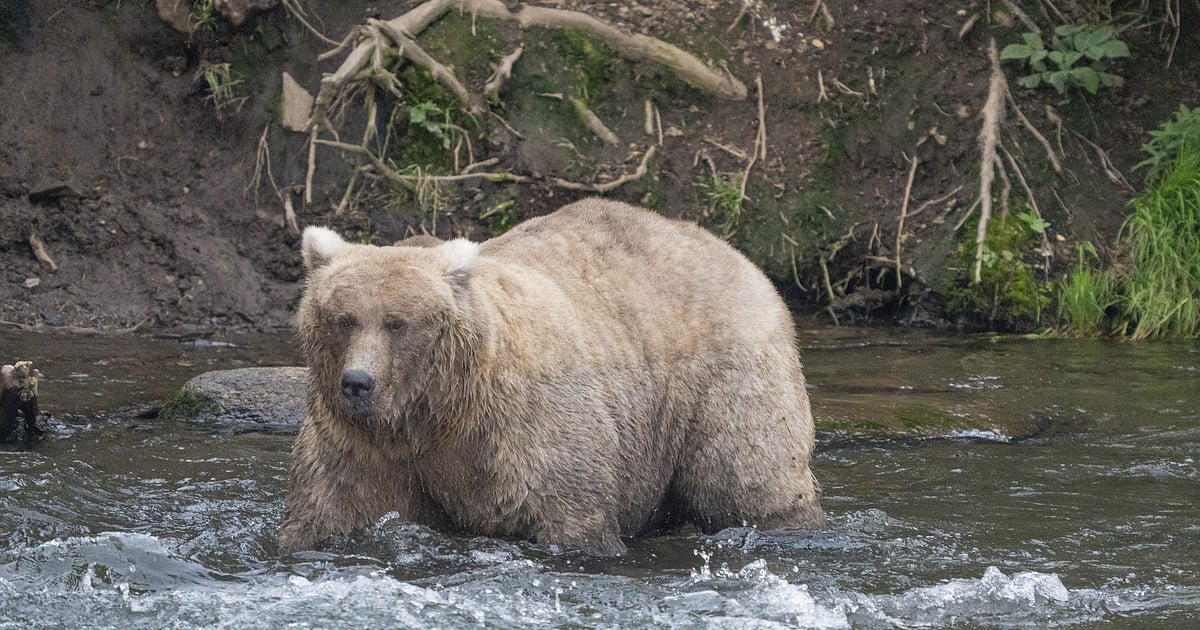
(117, 521)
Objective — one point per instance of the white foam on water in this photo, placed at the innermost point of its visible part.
(990, 435)
(1020, 599)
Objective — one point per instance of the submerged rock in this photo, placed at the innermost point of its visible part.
(243, 399)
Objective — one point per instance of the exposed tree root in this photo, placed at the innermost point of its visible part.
(40, 252)
(382, 170)
(503, 73)
(373, 44)
(989, 138)
(912, 173)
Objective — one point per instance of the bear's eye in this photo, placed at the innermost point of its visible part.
(395, 324)
(345, 322)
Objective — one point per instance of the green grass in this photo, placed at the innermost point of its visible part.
(724, 194)
(1086, 296)
(1162, 290)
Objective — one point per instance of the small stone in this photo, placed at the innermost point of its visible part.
(32, 282)
(818, 44)
(297, 104)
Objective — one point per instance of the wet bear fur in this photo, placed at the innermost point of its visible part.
(595, 374)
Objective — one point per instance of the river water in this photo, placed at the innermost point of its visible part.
(121, 522)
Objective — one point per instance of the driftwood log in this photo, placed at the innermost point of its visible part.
(19, 403)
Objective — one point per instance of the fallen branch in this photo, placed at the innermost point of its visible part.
(989, 138)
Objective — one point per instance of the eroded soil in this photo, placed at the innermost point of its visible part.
(143, 192)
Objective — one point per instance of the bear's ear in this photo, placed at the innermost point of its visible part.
(319, 246)
(458, 254)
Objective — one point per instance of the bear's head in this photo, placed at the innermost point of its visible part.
(377, 324)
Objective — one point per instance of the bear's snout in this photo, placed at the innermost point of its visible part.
(357, 386)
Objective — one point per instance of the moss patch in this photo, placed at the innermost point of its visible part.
(188, 406)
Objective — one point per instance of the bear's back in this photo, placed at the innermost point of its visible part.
(669, 280)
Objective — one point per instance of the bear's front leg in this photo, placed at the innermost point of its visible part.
(339, 484)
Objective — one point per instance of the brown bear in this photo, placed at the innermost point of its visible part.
(597, 373)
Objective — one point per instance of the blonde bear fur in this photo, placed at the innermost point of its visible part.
(598, 373)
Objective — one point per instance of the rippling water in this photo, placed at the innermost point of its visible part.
(120, 522)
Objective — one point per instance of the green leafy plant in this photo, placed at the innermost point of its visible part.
(424, 116)
(203, 16)
(1077, 56)
(1086, 295)
(1009, 293)
(1170, 139)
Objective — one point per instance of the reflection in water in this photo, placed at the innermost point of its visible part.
(120, 522)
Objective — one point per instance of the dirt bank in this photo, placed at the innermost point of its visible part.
(116, 159)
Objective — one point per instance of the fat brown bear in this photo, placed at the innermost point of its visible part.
(595, 374)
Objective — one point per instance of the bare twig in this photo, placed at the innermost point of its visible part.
(1016, 10)
(819, 7)
(968, 25)
(295, 10)
(503, 72)
(409, 181)
(1033, 130)
(593, 122)
(759, 138)
(734, 151)
(1110, 170)
(289, 214)
(741, 14)
(822, 95)
(933, 202)
(762, 119)
(912, 173)
(845, 89)
(639, 173)
(1012, 162)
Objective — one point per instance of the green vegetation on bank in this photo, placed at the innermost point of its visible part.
(1078, 56)
(1153, 290)
(1008, 292)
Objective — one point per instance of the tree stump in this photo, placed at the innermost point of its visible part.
(19, 404)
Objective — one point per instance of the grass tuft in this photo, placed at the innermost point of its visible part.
(1162, 291)
(1086, 296)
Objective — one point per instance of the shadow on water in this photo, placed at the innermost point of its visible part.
(1090, 520)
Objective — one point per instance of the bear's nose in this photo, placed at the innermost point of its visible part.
(356, 384)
